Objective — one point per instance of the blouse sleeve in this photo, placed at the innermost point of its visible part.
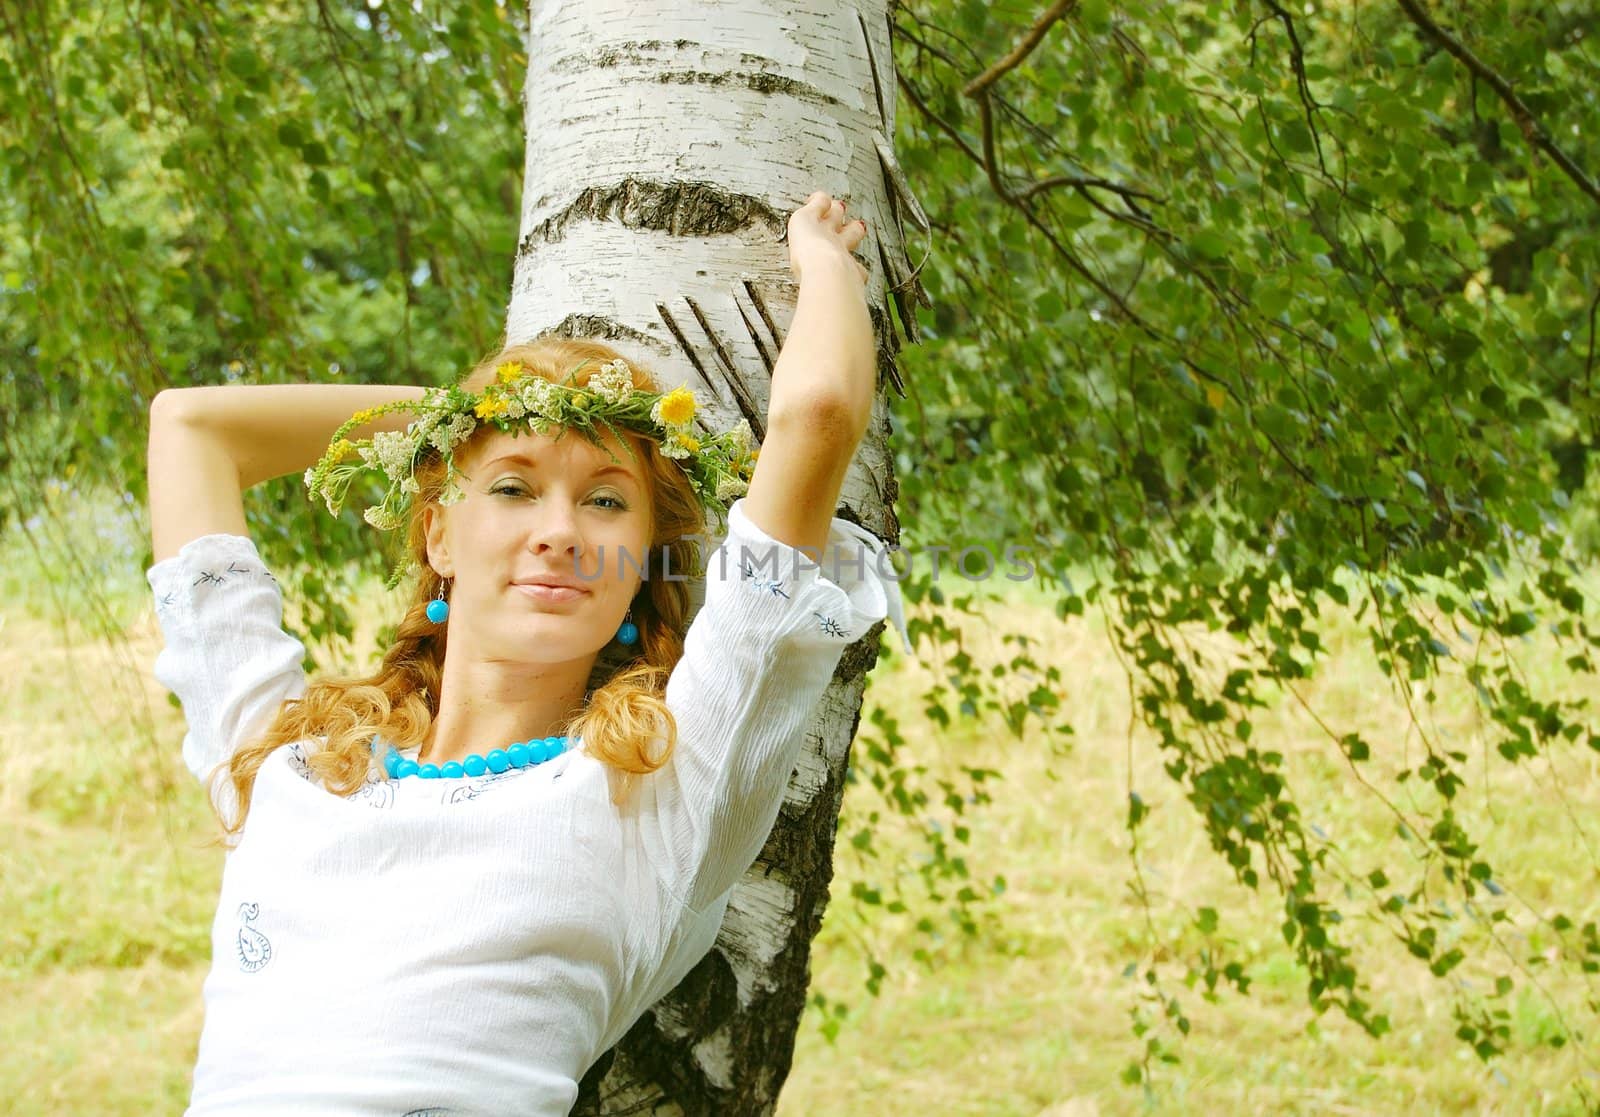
(757, 658)
(225, 656)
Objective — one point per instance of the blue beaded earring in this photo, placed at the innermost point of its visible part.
(439, 608)
(629, 632)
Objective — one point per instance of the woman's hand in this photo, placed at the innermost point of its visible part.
(818, 231)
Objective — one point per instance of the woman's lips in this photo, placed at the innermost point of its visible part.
(550, 593)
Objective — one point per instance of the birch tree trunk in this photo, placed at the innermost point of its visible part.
(667, 145)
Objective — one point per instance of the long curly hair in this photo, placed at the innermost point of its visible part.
(626, 709)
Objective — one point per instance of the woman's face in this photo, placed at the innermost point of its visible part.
(541, 508)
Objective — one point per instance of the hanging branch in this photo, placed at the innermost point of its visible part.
(1536, 133)
(1021, 51)
(980, 88)
(1297, 60)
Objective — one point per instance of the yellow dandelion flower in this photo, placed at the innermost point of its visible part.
(677, 407)
(690, 442)
(509, 371)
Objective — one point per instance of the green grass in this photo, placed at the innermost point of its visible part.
(109, 890)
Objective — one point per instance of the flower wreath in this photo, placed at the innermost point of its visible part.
(718, 465)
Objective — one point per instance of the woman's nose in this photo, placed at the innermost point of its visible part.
(557, 530)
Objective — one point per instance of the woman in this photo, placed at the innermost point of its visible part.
(458, 882)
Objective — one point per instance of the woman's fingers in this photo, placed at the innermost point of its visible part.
(825, 204)
(831, 222)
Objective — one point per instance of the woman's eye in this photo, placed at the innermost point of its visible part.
(517, 490)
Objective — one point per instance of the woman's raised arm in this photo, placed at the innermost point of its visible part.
(823, 384)
(209, 444)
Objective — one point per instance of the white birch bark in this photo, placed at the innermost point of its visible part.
(667, 144)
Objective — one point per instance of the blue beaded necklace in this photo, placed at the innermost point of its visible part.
(520, 755)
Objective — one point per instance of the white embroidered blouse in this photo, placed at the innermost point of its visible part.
(472, 945)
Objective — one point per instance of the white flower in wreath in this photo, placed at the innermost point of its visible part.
(536, 393)
(743, 437)
(448, 435)
(393, 450)
(613, 383)
(439, 437)
(460, 427)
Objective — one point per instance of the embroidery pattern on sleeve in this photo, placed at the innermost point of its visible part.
(209, 577)
(255, 949)
(829, 625)
(771, 585)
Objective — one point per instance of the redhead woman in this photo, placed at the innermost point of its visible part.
(451, 885)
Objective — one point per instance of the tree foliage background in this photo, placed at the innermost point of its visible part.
(1242, 313)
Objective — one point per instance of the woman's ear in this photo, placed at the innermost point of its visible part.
(438, 549)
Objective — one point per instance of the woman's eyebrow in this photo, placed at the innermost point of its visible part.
(524, 459)
(513, 456)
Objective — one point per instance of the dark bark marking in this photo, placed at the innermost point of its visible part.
(730, 371)
(683, 209)
(598, 326)
(761, 308)
(888, 346)
(755, 334)
(611, 54)
(872, 64)
(761, 81)
(683, 342)
(860, 656)
(723, 356)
